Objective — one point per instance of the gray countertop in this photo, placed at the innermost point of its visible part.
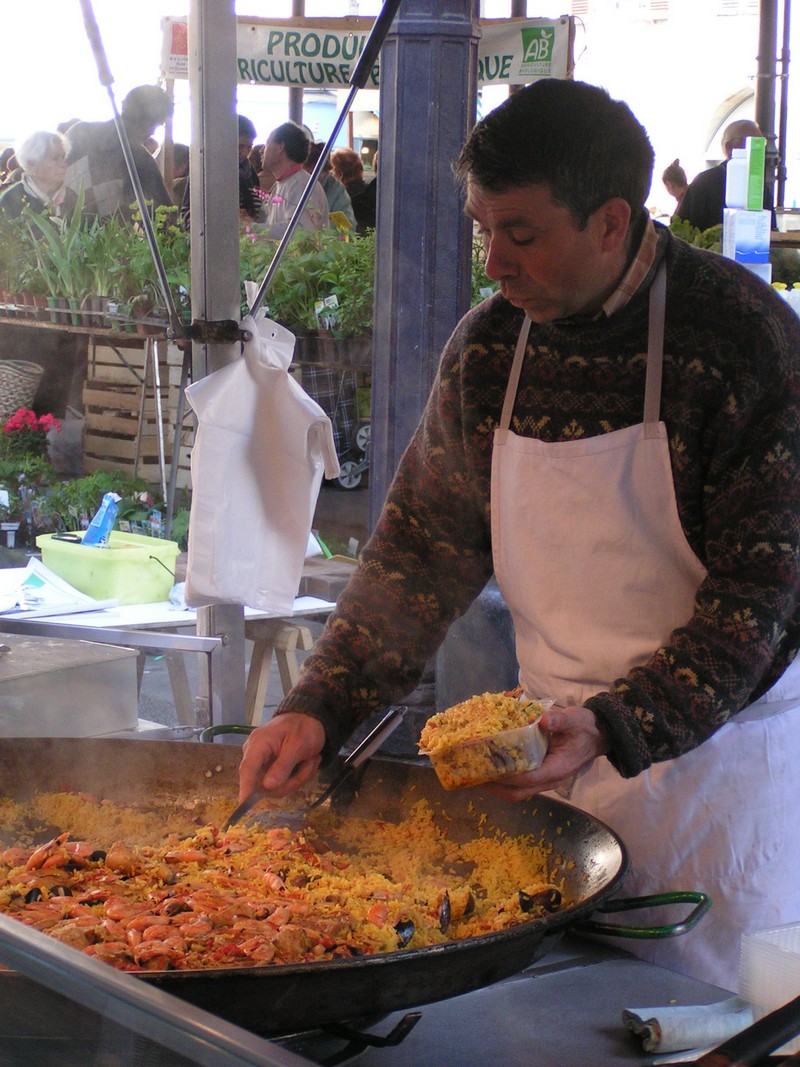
(564, 1011)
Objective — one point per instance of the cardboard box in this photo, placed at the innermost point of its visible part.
(746, 235)
(132, 568)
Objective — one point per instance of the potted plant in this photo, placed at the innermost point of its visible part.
(106, 247)
(139, 280)
(59, 249)
(321, 271)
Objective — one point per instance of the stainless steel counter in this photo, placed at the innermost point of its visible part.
(564, 1011)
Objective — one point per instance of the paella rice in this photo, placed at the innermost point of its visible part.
(485, 738)
(140, 899)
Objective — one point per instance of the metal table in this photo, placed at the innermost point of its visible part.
(564, 1011)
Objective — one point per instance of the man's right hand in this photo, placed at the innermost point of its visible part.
(281, 755)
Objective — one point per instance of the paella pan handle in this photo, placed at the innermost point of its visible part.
(701, 901)
(208, 733)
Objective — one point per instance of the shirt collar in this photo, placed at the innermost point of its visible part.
(57, 199)
(636, 273)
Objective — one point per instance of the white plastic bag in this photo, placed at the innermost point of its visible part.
(261, 448)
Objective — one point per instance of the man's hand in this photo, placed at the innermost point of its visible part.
(575, 742)
(281, 755)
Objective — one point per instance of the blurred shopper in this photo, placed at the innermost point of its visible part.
(96, 163)
(285, 153)
(7, 163)
(42, 187)
(349, 169)
(704, 200)
(180, 171)
(250, 204)
(338, 197)
(675, 182)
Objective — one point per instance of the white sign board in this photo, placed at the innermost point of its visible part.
(321, 53)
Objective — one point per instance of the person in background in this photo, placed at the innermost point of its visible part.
(96, 162)
(338, 197)
(349, 169)
(13, 171)
(250, 205)
(704, 200)
(285, 153)
(180, 171)
(675, 182)
(7, 162)
(42, 187)
(615, 435)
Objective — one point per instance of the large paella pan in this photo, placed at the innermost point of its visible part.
(588, 860)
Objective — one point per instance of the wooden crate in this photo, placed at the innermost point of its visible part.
(121, 413)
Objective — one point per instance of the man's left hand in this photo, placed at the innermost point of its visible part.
(575, 742)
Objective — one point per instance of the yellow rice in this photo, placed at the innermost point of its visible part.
(145, 898)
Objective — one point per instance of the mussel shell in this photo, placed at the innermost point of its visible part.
(548, 899)
(445, 913)
(405, 931)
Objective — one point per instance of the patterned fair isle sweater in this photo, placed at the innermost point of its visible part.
(731, 404)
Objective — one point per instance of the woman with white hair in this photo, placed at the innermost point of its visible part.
(42, 157)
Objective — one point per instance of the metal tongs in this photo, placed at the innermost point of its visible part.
(359, 755)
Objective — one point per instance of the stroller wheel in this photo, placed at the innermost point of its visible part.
(349, 475)
(362, 437)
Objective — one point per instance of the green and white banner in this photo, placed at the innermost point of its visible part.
(320, 53)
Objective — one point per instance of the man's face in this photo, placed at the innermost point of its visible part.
(543, 262)
(273, 155)
(245, 148)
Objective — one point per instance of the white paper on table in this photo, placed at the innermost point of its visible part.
(37, 592)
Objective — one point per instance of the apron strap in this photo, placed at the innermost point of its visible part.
(513, 378)
(655, 352)
(655, 360)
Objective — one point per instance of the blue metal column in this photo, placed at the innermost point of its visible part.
(427, 106)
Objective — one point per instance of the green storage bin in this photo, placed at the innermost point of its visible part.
(132, 568)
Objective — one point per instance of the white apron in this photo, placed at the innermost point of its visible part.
(593, 563)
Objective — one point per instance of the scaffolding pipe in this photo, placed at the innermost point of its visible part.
(783, 117)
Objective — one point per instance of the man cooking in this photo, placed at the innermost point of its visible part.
(616, 435)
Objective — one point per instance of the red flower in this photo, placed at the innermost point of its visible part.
(25, 433)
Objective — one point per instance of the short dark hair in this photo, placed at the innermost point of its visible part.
(247, 128)
(147, 104)
(294, 139)
(570, 136)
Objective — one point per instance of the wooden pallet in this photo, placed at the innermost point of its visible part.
(121, 413)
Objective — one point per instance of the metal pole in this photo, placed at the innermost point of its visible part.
(107, 79)
(423, 239)
(214, 221)
(765, 90)
(784, 104)
(296, 91)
